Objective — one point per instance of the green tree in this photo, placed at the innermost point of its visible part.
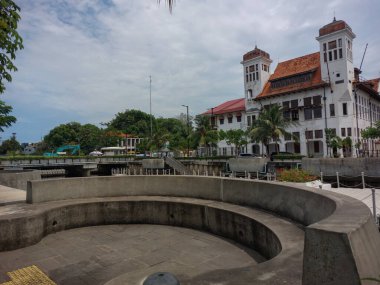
(6, 120)
(236, 137)
(158, 140)
(204, 136)
(63, 134)
(176, 130)
(88, 136)
(10, 40)
(270, 126)
(10, 146)
(134, 122)
(371, 133)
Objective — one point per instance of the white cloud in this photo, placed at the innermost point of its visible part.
(86, 60)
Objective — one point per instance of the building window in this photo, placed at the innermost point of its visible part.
(318, 134)
(249, 93)
(296, 136)
(249, 121)
(307, 101)
(317, 112)
(238, 118)
(316, 147)
(309, 135)
(344, 105)
(317, 100)
(313, 106)
(230, 120)
(221, 121)
(288, 137)
(295, 115)
(349, 132)
(332, 110)
(294, 103)
(335, 51)
(291, 80)
(343, 131)
(308, 113)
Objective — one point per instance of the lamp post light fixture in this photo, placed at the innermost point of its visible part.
(188, 129)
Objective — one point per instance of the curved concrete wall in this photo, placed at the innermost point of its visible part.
(342, 244)
(18, 178)
(301, 205)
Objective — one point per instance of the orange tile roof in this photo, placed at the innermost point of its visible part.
(334, 26)
(370, 86)
(255, 53)
(374, 83)
(305, 64)
(235, 105)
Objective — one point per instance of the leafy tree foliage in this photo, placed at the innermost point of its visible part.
(204, 135)
(370, 133)
(6, 120)
(88, 136)
(270, 126)
(134, 122)
(10, 40)
(176, 131)
(237, 137)
(10, 146)
(63, 134)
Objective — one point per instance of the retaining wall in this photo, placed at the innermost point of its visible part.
(342, 244)
(348, 166)
(18, 178)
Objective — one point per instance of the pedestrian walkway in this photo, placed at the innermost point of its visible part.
(10, 195)
(364, 195)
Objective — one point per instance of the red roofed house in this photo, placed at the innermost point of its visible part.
(226, 116)
(319, 90)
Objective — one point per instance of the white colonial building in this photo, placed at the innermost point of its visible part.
(318, 91)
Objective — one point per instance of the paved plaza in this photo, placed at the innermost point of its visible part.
(125, 254)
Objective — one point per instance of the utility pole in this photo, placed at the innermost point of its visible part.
(150, 106)
(188, 129)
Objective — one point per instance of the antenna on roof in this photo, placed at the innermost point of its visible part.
(334, 20)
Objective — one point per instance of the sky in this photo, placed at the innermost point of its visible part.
(87, 60)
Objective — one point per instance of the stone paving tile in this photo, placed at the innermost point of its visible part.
(95, 255)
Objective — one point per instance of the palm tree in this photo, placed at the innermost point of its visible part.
(170, 4)
(270, 126)
(204, 134)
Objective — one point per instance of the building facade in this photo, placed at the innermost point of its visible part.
(317, 91)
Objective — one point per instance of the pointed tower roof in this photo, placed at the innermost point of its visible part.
(334, 26)
(255, 53)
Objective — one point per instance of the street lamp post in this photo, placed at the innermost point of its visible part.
(188, 129)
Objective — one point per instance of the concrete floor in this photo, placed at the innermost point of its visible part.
(10, 195)
(126, 254)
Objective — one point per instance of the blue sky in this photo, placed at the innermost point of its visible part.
(86, 60)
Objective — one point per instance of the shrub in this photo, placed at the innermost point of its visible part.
(295, 175)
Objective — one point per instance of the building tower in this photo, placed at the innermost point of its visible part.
(335, 45)
(256, 67)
